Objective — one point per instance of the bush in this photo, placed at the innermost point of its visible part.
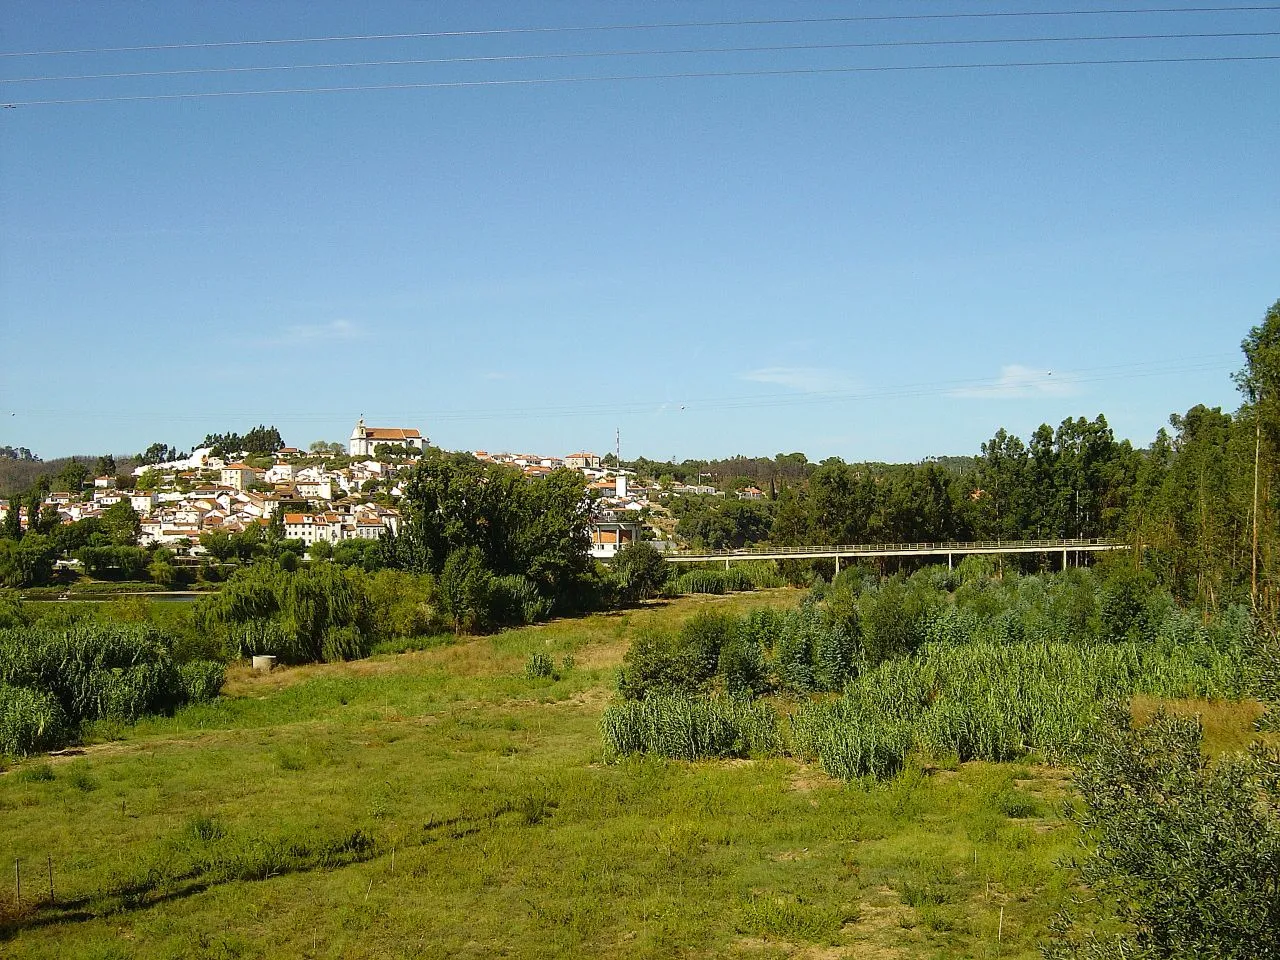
(516, 601)
(851, 746)
(641, 572)
(403, 604)
(95, 670)
(667, 663)
(343, 643)
(1187, 851)
(467, 591)
(763, 574)
(56, 676)
(895, 617)
(539, 667)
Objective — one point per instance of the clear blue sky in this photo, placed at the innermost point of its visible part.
(872, 265)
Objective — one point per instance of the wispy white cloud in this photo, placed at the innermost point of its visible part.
(804, 379)
(317, 332)
(1016, 382)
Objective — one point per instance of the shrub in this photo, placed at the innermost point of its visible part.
(343, 643)
(539, 667)
(290, 614)
(763, 574)
(1186, 851)
(94, 669)
(895, 617)
(641, 571)
(516, 601)
(737, 580)
(467, 591)
(664, 662)
(402, 604)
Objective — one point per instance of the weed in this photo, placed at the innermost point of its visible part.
(539, 667)
(36, 773)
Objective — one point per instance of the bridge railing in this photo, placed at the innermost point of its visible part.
(874, 548)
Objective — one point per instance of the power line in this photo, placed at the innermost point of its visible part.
(572, 55)
(693, 24)
(970, 388)
(694, 75)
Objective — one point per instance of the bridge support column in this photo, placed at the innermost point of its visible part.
(837, 564)
(949, 564)
(726, 563)
(1064, 558)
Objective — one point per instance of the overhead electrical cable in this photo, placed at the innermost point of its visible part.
(969, 388)
(613, 27)
(604, 54)
(620, 78)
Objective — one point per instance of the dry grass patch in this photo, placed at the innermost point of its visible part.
(1229, 726)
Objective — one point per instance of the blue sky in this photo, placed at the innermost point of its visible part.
(872, 265)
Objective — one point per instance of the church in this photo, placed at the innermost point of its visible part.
(365, 439)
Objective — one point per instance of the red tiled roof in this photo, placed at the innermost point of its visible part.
(391, 433)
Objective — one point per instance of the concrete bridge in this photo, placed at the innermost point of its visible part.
(860, 551)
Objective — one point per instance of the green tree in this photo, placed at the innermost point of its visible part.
(121, 524)
(218, 545)
(641, 571)
(12, 529)
(72, 476)
(26, 563)
(105, 467)
(466, 590)
(1259, 382)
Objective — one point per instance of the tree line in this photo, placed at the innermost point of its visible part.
(1202, 502)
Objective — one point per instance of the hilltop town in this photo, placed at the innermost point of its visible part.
(327, 493)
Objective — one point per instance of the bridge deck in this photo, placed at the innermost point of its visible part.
(860, 550)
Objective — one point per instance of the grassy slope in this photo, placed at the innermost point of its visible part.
(440, 804)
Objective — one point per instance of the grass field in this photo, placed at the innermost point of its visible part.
(439, 803)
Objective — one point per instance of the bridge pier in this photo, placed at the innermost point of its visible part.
(837, 564)
(949, 564)
(1064, 558)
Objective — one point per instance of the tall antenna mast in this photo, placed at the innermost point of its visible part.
(617, 446)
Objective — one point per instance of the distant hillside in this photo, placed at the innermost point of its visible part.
(17, 476)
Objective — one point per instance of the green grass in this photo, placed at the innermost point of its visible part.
(443, 803)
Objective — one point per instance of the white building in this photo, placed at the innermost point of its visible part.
(315, 489)
(365, 439)
(238, 475)
(610, 536)
(143, 503)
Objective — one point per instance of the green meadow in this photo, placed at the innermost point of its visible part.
(443, 802)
